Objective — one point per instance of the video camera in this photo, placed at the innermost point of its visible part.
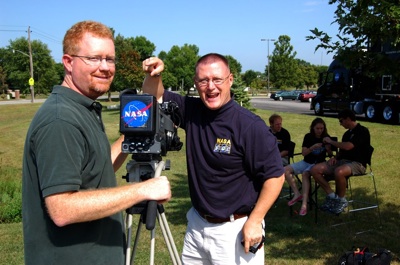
(149, 132)
(149, 127)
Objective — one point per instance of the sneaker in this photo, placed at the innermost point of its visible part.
(339, 206)
(329, 203)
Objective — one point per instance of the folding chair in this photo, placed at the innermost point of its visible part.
(358, 204)
(292, 146)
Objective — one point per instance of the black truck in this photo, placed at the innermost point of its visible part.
(375, 94)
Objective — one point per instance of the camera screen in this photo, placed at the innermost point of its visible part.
(138, 114)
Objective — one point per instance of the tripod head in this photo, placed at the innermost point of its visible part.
(142, 169)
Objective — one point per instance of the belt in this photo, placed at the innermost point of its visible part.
(215, 220)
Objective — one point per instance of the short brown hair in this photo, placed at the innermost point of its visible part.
(212, 57)
(347, 113)
(274, 117)
(75, 34)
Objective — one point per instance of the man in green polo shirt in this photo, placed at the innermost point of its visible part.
(71, 203)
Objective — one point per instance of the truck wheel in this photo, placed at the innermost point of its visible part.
(371, 112)
(318, 109)
(389, 114)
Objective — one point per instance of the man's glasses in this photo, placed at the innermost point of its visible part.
(96, 60)
(217, 81)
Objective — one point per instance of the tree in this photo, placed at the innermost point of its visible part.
(130, 53)
(234, 65)
(238, 86)
(283, 64)
(249, 76)
(144, 47)
(362, 25)
(3, 84)
(252, 79)
(16, 66)
(306, 75)
(179, 66)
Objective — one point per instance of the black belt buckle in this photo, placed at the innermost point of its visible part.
(208, 217)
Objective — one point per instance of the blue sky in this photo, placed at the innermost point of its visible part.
(228, 27)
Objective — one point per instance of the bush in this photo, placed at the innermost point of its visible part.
(10, 202)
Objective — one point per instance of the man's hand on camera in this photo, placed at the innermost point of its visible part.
(153, 66)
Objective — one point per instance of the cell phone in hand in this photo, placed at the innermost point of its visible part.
(254, 248)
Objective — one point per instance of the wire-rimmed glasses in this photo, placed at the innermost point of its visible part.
(217, 81)
(96, 60)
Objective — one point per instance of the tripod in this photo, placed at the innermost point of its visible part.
(141, 170)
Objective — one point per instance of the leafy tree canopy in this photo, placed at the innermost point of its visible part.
(16, 66)
(362, 25)
(179, 66)
(283, 64)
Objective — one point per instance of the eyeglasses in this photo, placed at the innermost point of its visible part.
(96, 60)
(217, 81)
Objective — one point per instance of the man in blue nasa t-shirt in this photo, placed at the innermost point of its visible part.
(234, 167)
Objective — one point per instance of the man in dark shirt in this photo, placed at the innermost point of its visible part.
(234, 168)
(351, 159)
(282, 135)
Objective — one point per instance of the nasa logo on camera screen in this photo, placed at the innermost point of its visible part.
(136, 113)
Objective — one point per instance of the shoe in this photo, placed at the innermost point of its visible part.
(303, 211)
(290, 203)
(339, 206)
(329, 203)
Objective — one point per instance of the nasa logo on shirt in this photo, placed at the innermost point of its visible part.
(222, 146)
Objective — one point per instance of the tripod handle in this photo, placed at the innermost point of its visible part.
(151, 215)
(152, 205)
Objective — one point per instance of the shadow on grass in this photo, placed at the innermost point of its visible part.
(300, 238)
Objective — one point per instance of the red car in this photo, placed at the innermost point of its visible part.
(307, 96)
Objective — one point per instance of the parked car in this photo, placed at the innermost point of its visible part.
(307, 96)
(281, 95)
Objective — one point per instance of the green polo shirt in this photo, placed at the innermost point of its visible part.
(66, 149)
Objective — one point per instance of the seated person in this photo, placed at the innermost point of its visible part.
(351, 159)
(282, 136)
(314, 151)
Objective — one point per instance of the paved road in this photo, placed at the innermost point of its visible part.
(294, 106)
(28, 101)
(19, 101)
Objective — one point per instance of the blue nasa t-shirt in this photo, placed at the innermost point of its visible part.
(230, 153)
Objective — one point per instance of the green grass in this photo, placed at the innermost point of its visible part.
(290, 239)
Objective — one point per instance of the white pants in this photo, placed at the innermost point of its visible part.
(208, 243)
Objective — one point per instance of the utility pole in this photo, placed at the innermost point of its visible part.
(31, 80)
(268, 40)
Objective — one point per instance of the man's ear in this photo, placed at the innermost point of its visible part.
(67, 62)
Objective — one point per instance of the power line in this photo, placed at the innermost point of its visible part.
(13, 30)
(46, 35)
(36, 31)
